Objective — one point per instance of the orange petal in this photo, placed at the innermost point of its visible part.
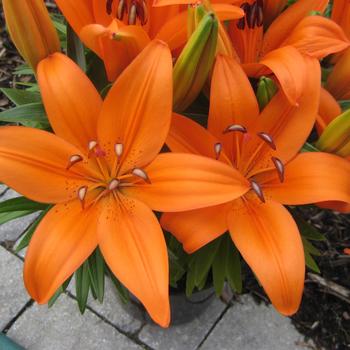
(272, 8)
(64, 239)
(133, 245)
(328, 110)
(288, 66)
(137, 109)
(341, 207)
(159, 3)
(72, 114)
(284, 24)
(78, 12)
(33, 162)
(227, 12)
(159, 16)
(312, 177)
(318, 37)
(269, 241)
(289, 126)
(196, 228)
(229, 87)
(182, 181)
(341, 15)
(338, 82)
(174, 31)
(187, 136)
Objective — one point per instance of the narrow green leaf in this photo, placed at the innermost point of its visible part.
(309, 247)
(82, 286)
(122, 291)
(96, 270)
(233, 267)
(344, 104)
(59, 291)
(190, 282)
(32, 114)
(21, 97)
(75, 48)
(311, 263)
(307, 230)
(219, 268)
(308, 147)
(21, 204)
(6, 217)
(24, 69)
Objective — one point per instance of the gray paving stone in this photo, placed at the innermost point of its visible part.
(186, 336)
(13, 295)
(249, 326)
(11, 230)
(63, 328)
(128, 317)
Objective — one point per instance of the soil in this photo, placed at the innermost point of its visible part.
(323, 317)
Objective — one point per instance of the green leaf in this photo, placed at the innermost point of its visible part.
(96, 270)
(32, 114)
(344, 104)
(308, 247)
(177, 270)
(82, 286)
(6, 217)
(59, 291)
(307, 230)
(20, 96)
(21, 204)
(24, 69)
(29, 233)
(75, 48)
(219, 268)
(308, 147)
(190, 281)
(311, 263)
(122, 291)
(233, 267)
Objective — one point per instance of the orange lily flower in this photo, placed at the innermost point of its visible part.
(101, 160)
(263, 147)
(278, 50)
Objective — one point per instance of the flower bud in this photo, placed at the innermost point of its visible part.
(31, 29)
(196, 59)
(266, 90)
(336, 136)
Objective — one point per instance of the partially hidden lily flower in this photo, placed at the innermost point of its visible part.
(278, 50)
(104, 175)
(31, 29)
(264, 148)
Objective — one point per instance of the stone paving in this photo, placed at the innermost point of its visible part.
(244, 325)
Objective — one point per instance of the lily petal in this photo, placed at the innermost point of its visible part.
(182, 181)
(72, 114)
(328, 110)
(138, 107)
(229, 87)
(227, 12)
(288, 126)
(133, 245)
(310, 178)
(64, 239)
(196, 228)
(269, 241)
(284, 24)
(78, 12)
(272, 8)
(33, 162)
(187, 136)
(318, 37)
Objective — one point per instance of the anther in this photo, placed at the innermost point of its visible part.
(279, 167)
(122, 9)
(82, 191)
(258, 191)
(109, 4)
(268, 139)
(92, 145)
(75, 158)
(217, 149)
(235, 127)
(113, 184)
(141, 174)
(132, 14)
(118, 149)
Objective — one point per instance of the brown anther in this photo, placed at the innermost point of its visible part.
(94, 148)
(141, 174)
(235, 127)
(132, 14)
(82, 191)
(109, 4)
(74, 159)
(279, 167)
(118, 149)
(113, 184)
(268, 139)
(122, 9)
(258, 191)
(92, 145)
(217, 149)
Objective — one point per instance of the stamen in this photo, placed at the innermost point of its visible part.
(75, 158)
(217, 149)
(235, 127)
(141, 174)
(118, 148)
(279, 167)
(92, 145)
(109, 4)
(257, 189)
(122, 9)
(132, 14)
(253, 15)
(113, 185)
(82, 191)
(268, 139)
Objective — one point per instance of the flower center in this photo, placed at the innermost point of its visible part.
(133, 9)
(253, 15)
